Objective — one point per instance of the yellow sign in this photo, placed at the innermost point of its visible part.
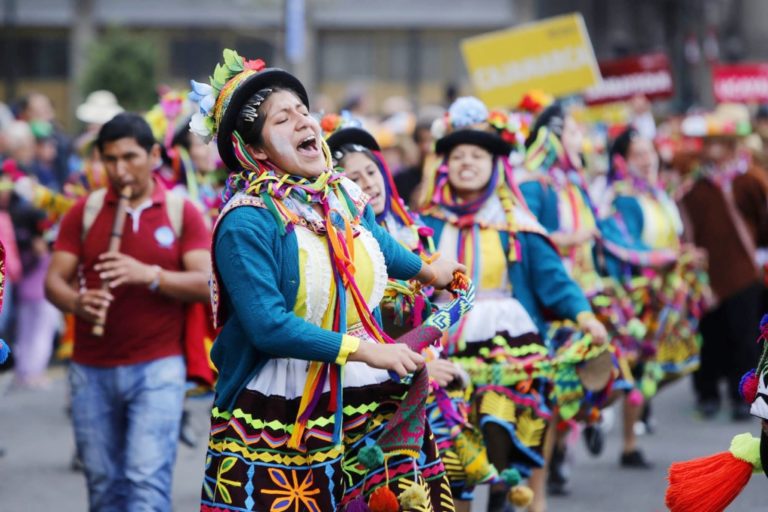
(554, 55)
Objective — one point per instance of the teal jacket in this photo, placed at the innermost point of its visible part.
(539, 281)
(623, 231)
(631, 213)
(542, 202)
(258, 281)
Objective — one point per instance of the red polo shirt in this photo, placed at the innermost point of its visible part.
(141, 325)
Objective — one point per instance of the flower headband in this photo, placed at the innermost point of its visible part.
(214, 98)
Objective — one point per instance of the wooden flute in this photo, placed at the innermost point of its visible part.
(116, 235)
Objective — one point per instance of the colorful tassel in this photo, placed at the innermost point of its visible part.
(748, 386)
(649, 387)
(383, 500)
(371, 456)
(636, 329)
(414, 497)
(520, 496)
(635, 398)
(511, 477)
(4, 351)
(357, 505)
(710, 484)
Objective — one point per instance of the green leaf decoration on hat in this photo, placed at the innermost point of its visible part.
(220, 76)
(233, 61)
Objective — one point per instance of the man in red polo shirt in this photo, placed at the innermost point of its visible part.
(128, 385)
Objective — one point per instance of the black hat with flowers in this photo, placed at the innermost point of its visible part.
(233, 84)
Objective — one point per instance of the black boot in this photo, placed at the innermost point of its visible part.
(557, 476)
(594, 438)
(498, 502)
(634, 460)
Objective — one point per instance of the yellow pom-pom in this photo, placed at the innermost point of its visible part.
(520, 496)
(413, 497)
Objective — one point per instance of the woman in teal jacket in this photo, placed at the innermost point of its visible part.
(306, 409)
(649, 217)
(520, 281)
(405, 305)
(556, 193)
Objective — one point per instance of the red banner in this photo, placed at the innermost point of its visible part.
(649, 75)
(740, 83)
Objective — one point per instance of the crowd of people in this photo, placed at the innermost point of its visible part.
(390, 310)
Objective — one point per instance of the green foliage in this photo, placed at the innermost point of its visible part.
(124, 63)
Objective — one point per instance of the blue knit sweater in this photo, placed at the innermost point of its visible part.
(259, 280)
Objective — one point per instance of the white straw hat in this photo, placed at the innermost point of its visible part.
(99, 107)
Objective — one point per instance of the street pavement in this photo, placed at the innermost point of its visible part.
(35, 472)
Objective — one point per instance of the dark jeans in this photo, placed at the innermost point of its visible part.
(730, 346)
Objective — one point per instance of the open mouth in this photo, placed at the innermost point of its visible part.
(309, 146)
(467, 174)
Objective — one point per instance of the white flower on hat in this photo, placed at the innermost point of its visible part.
(199, 127)
(467, 111)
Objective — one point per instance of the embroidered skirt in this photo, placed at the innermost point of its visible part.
(250, 467)
(510, 368)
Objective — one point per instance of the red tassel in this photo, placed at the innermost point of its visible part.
(383, 500)
(707, 484)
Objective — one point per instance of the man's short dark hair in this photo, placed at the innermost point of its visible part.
(126, 126)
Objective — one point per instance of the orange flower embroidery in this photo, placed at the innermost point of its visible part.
(292, 493)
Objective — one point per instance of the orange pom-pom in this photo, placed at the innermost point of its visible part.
(383, 500)
(707, 484)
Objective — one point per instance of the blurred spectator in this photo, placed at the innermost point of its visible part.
(408, 180)
(13, 269)
(36, 319)
(725, 206)
(6, 118)
(20, 144)
(44, 164)
(98, 108)
(642, 116)
(759, 144)
(38, 111)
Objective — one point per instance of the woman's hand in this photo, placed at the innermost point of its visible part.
(592, 326)
(699, 257)
(440, 272)
(443, 371)
(396, 357)
(578, 237)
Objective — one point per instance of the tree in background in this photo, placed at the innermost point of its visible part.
(123, 63)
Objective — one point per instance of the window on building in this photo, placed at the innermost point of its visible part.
(254, 48)
(191, 57)
(440, 57)
(39, 57)
(345, 57)
(397, 55)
